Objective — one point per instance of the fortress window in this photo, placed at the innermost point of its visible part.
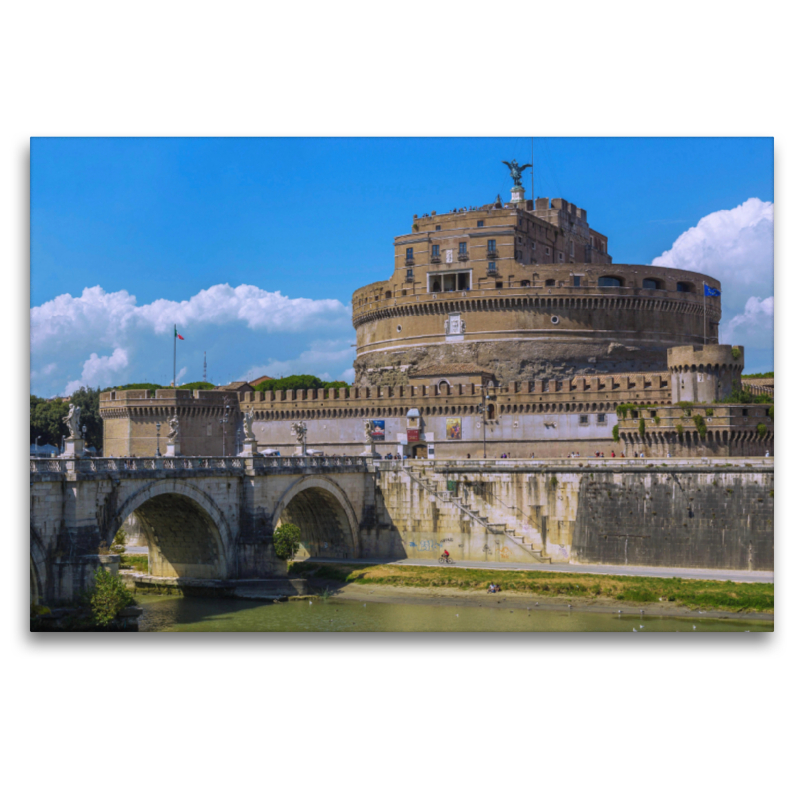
(436, 287)
(652, 283)
(554, 319)
(490, 411)
(560, 256)
(491, 246)
(533, 245)
(498, 284)
(576, 280)
(550, 282)
(438, 227)
(601, 419)
(547, 250)
(480, 223)
(435, 251)
(409, 253)
(584, 419)
(572, 248)
(608, 280)
(462, 248)
(524, 283)
(410, 274)
(683, 287)
(492, 268)
(388, 295)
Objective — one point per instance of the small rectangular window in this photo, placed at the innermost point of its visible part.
(480, 223)
(601, 419)
(560, 256)
(492, 267)
(462, 248)
(533, 245)
(547, 250)
(491, 245)
(409, 253)
(410, 274)
(572, 248)
(435, 250)
(438, 227)
(498, 285)
(584, 419)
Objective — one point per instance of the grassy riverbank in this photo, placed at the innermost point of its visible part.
(689, 593)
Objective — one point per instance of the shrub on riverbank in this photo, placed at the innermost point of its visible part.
(695, 594)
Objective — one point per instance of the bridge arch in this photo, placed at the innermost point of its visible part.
(187, 533)
(324, 515)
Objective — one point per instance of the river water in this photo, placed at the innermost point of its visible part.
(166, 613)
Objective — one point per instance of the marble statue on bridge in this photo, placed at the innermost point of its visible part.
(73, 421)
(299, 430)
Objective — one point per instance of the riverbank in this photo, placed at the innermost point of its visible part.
(604, 593)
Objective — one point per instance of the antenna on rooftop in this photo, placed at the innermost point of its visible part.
(205, 371)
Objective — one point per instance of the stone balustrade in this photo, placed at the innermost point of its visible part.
(198, 464)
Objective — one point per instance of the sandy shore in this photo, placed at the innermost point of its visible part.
(443, 596)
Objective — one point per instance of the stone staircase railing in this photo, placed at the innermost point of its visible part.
(496, 528)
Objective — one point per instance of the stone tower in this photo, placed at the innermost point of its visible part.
(705, 373)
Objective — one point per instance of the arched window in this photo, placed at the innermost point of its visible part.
(652, 283)
(609, 280)
(683, 286)
(490, 411)
(443, 386)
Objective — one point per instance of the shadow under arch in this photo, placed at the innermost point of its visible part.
(328, 524)
(38, 575)
(186, 530)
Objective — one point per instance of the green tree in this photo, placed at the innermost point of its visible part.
(286, 541)
(46, 416)
(108, 597)
(197, 385)
(298, 382)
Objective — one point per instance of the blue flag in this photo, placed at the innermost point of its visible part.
(710, 291)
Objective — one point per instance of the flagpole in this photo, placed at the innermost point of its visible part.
(174, 356)
(704, 312)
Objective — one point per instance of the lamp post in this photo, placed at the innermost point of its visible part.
(158, 440)
(223, 422)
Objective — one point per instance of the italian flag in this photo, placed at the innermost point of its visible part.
(177, 335)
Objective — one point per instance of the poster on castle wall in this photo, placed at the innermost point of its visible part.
(453, 427)
(379, 430)
(412, 434)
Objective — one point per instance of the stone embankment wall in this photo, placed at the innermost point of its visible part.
(679, 514)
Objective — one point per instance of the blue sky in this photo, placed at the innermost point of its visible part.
(161, 225)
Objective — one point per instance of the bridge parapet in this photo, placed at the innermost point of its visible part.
(195, 464)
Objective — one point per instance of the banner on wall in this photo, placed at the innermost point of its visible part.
(413, 435)
(453, 427)
(378, 430)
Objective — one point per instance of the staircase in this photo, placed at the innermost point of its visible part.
(495, 528)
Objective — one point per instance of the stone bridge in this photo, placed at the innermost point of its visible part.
(213, 518)
(204, 518)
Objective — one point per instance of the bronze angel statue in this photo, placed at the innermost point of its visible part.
(517, 170)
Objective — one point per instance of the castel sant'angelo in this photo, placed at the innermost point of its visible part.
(502, 329)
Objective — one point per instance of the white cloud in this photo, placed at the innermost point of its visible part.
(329, 360)
(99, 370)
(80, 339)
(736, 247)
(753, 326)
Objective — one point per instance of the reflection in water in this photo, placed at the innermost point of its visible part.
(215, 614)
